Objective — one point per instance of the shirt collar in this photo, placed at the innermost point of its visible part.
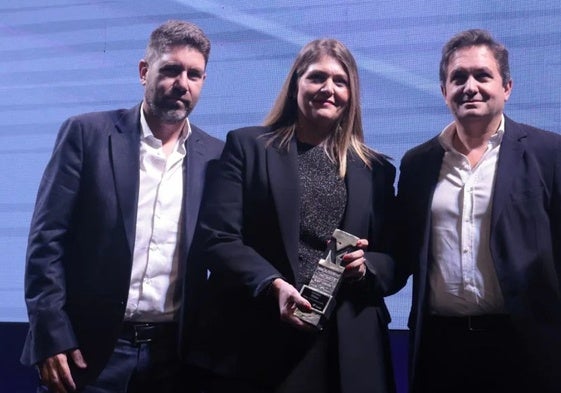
(447, 134)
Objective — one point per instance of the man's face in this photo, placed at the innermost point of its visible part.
(173, 83)
(474, 88)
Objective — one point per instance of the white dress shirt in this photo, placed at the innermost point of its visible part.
(154, 292)
(462, 276)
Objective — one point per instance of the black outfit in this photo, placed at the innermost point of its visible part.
(477, 355)
(250, 233)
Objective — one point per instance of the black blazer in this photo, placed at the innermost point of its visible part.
(248, 234)
(82, 233)
(525, 240)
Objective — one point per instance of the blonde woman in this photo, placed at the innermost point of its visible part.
(276, 196)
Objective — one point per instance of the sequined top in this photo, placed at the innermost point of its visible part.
(323, 197)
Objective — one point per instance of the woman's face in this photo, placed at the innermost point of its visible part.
(322, 96)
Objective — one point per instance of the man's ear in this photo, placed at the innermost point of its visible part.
(142, 71)
(508, 90)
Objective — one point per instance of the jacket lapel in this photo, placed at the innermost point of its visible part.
(429, 178)
(359, 195)
(193, 181)
(507, 168)
(283, 178)
(124, 145)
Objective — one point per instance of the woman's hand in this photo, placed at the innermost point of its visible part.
(355, 267)
(289, 299)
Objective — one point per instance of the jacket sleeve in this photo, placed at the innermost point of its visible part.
(379, 262)
(50, 330)
(220, 232)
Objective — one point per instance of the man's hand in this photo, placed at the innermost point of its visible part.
(55, 372)
(289, 299)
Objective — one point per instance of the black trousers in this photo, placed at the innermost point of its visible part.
(471, 354)
(316, 372)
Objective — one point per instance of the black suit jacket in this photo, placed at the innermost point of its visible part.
(82, 233)
(525, 240)
(248, 234)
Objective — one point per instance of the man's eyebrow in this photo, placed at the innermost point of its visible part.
(457, 71)
(462, 70)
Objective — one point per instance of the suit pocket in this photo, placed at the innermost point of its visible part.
(526, 193)
(524, 221)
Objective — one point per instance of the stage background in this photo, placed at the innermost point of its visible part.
(63, 57)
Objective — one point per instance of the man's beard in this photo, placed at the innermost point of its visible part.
(171, 116)
(167, 114)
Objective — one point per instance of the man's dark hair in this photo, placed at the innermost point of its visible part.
(176, 33)
(475, 37)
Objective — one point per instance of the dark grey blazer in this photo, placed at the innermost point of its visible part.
(82, 233)
(525, 240)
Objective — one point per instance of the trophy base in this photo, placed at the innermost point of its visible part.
(322, 305)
